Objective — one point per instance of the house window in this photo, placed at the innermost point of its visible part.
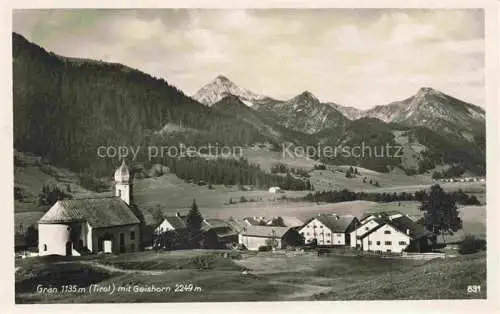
(302, 233)
(132, 235)
(369, 242)
(402, 243)
(308, 234)
(308, 226)
(327, 234)
(321, 226)
(387, 232)
(388, 251)
(45, 247)
(378, 242)
(388, 242)
(366, 228)
(327, 241)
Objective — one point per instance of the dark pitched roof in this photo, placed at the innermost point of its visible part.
(405, 223)
(98, 212)
(336, 223)
(402, 224)
(176, 222)
(265, 231)
(237, 225)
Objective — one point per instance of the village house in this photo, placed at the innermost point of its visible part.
(226, 236)
(171, 223)
(92, 225)
(329, 229)
(254, 237)
(391, 233)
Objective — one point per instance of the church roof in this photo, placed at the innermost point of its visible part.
(122, 174)
(98, 212)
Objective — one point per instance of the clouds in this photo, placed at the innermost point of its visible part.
(358, 58)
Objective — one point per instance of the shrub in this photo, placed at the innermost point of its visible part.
(470, 244)
(264, 248)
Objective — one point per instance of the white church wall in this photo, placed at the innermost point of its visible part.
(53, 239)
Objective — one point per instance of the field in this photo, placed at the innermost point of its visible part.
(209, 276)
(172, 194)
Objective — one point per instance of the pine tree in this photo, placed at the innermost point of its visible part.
(158, 215)
(194, 221)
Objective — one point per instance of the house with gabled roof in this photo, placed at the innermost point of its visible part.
(329, 229)
(92, 225)
(253, 237)
(171, 223)
(391, 233)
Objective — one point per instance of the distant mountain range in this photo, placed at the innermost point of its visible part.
(304, 112)
(65, 107)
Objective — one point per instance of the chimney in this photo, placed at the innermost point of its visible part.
(408, 231)
(178, 214)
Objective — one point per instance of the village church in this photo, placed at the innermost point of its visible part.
(77, 226)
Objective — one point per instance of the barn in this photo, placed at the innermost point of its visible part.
(253, 237)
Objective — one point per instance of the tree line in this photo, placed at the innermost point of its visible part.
(231, 171)
(346, 195)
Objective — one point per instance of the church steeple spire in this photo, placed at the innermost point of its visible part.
(122, 182)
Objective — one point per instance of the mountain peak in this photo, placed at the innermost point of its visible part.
(428, 91)
(223, 79)
(306, 96)
(221, 87)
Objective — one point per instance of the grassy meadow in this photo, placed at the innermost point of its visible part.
(263, 276)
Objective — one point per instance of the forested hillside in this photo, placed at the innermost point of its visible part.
(64, 109)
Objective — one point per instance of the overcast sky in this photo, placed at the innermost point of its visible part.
(354, 57)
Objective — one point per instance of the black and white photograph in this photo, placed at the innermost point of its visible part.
(172, 155)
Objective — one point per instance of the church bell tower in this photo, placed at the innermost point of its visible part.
(122, 183)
